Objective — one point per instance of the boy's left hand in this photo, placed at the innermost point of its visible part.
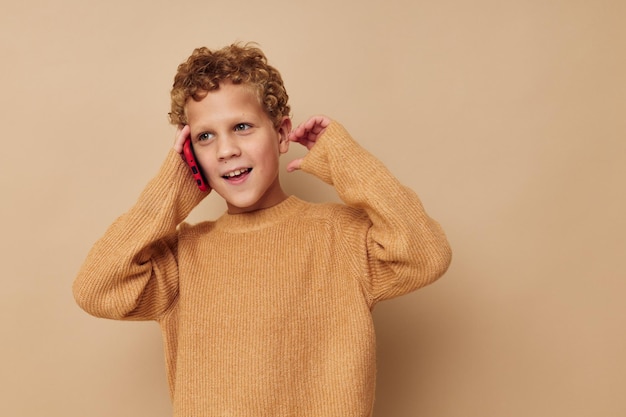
(307, 134)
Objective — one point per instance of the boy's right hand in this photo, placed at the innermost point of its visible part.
(182, 133)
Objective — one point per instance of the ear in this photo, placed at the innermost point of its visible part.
(283, 131)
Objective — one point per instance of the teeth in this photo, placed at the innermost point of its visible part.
(236, 173)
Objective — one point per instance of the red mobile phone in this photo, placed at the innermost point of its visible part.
(190, 159)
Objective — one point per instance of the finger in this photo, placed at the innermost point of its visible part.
(294, 165)
(300, 135)
(321, 125)
(182, 133)
(292, 137)
(302, 130)
(308, 132)
(304, 133)
(318, 123)
(309, 124)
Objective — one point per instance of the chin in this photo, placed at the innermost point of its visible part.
(243, 205)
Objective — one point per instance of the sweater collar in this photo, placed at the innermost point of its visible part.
(259, 219)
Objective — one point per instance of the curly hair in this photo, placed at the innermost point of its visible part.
(241, 64)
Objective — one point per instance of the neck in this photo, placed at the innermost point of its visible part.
(259, 219)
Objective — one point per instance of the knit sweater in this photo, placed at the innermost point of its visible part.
(268, 313)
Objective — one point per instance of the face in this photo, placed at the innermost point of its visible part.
(238, 147)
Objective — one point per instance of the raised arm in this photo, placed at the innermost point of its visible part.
(406, 249)
(132, 271)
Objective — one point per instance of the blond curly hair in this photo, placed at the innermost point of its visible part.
(241, 64)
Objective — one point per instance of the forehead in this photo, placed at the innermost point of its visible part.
(228, 100)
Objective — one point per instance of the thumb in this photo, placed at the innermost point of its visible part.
(294, 165)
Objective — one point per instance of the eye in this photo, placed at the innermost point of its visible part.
(242, 126)
(206, 136)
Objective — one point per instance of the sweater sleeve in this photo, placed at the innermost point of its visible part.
(404, 248)
(132, 271)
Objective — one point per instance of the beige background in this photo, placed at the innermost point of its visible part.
(507, 117)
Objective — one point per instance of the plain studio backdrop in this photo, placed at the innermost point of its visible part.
(507, 118)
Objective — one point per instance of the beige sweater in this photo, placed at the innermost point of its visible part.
(268, 313)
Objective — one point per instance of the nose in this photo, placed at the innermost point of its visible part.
(227, 147)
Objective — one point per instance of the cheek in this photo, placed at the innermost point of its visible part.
(271, 156)
(206, 163)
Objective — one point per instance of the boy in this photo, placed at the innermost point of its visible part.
(265, 311)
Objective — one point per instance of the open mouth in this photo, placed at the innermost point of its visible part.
(238, 173)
